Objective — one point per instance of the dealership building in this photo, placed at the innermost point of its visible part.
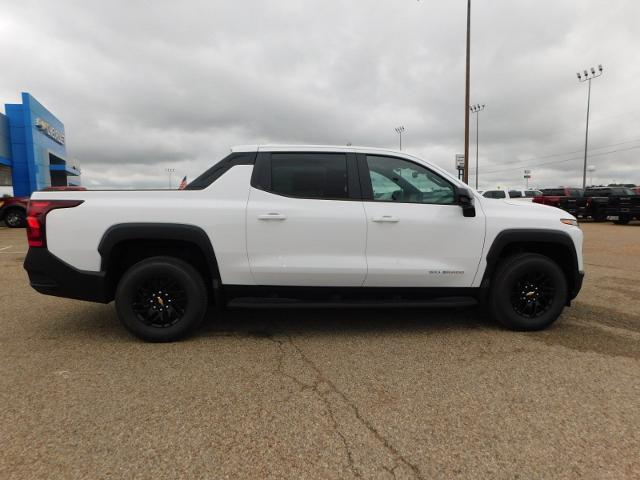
(33, 153)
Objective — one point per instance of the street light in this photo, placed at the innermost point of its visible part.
(583, 77)
(399, 131)
(477, 109)
(170, 171)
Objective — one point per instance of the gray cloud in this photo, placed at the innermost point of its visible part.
(142, 86)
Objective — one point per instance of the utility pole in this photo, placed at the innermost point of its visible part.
(465, 177)
(170, 171)
(584, 77)
(477, 109)
(399, 131)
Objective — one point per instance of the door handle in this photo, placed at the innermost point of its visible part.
(272, 216)
(385, 219)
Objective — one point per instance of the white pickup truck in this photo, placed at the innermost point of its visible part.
(304, 225)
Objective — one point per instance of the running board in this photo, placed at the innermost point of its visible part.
(259, 302)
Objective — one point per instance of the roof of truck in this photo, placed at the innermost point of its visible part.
(316, 148)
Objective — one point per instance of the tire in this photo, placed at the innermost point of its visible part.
(528, 292)
(161, 299)
(622, 221)
(15, 218)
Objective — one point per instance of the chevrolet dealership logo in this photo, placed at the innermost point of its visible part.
(50, 131)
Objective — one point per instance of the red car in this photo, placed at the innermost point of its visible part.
(13, 210)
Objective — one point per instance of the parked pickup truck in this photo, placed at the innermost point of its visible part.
(569, 199)
(607, 202)
(292, 225)
(624, 206)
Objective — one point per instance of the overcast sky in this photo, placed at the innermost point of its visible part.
(143, 86)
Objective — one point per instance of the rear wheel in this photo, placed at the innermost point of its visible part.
(161, 299)
(15, 218)
(622, 220)
(528, 292)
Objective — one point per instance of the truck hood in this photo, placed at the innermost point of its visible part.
(522, 210)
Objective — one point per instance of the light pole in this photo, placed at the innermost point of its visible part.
(587, 76)
(170, 171)
(465, 175)
(477, 108)
(399, 131)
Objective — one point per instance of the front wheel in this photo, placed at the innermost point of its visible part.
(528, 292)
(161, 299)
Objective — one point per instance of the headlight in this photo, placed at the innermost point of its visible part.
(569, 221)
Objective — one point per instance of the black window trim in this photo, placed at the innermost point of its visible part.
(261, 176)
(367, 188)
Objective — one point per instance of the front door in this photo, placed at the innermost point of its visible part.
(305, 222)
(417, 235)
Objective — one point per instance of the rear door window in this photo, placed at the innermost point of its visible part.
(310, 175)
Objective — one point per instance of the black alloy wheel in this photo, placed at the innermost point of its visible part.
(528, 292)
(160, 302)
(532, 295)
(161, 299)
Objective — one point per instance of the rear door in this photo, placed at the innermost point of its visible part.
(305, 220)
(417, 235)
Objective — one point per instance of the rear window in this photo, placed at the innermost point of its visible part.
(532, 193)
(575, 192)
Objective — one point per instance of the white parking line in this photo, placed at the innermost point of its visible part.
(5, 248)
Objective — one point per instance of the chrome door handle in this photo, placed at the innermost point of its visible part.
(272, 216)
(385, 219)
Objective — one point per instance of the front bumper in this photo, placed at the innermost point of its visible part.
(51, 276)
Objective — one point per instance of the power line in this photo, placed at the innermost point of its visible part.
(562, 161)
(577, 151)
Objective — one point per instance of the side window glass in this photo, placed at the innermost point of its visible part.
(397, 180)
(309, 175)
(515, 194)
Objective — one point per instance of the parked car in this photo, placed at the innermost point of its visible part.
(294, 225)
(13, 211)
(525, 195)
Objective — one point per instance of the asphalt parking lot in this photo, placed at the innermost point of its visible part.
(325, 393)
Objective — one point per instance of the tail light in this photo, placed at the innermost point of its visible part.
(36, 217)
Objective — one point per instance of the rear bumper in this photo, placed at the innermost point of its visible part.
(51, 276)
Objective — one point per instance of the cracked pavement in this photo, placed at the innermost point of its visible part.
(326, 393)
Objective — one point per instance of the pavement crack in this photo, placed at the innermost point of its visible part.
(315, 388)
(387, 445)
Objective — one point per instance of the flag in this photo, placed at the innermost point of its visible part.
(183, 183)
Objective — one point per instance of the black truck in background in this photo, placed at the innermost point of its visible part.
(615, 202)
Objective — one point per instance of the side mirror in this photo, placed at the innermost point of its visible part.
(465, 200)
